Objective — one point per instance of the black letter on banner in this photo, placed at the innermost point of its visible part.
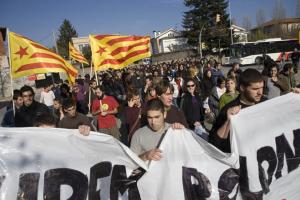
(283, 148)
(201, 190)
(99, 170)
(120, 183)
(227, 182)
(266, 154)
(28, 186)
(244, 182)
(54, 178)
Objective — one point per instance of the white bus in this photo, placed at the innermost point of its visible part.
(248, 53)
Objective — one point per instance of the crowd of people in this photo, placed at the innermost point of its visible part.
(137, 105)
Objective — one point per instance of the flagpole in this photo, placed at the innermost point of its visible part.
(90, 90)
(82, 69)
(10, 65)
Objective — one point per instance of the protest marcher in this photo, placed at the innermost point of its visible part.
(45, 120)
(58, 112)
(145, 141)
(79, 94)
(9, 117)
(275, 85)
(105, 107)
(295, 59)
(236, 72)
(251, 93)
(147, 85)
(230, 94)
(90, 94)
(73, 119)
(217, 92)
(65, 92)
(191, 105)
(133, 113)
(47, 96)
(31, 109)
(165, 92)
(207, 84)
(287, 76)
(217, 72)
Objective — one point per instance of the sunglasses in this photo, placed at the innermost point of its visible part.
(190, 86)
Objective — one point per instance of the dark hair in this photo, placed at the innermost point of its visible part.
(47, 84)
(59, 100)
(132, 92)
(163, 86)
(65, 86)
(92, 81)
(26, 88)
(235, 63)
(287, 67)
(250, 76)
(44, 119)
(220, 80)
(230, 78)
(149, 77)
(68, 103)
(101, 87)
(17, 94)
(155, 104)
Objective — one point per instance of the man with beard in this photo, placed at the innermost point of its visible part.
(251, 93)
(105, 107)
(73, 119)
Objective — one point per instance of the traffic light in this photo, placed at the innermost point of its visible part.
(218, 18)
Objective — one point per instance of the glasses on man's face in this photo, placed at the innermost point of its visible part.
(27, 95)
(189, 86)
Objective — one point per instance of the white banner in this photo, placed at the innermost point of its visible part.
(190, 169)
(40, 163)
(267, 139)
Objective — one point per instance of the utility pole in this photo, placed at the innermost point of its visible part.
(230, 22)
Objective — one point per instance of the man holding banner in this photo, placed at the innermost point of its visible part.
(251, 93)
(146, 140)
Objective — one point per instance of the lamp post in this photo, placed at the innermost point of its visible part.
(200, 37)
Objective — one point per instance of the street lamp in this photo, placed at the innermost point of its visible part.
(200, 36)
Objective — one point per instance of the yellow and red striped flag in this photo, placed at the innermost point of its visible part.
(76, 55)
(117, 51)
(28, 57)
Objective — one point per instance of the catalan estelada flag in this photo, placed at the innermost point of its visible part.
(28, 57)
(117, 51)
(76, 55)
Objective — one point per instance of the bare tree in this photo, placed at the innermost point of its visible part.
(278, 10)
(247, 23)
(260, 17)
(297, 14)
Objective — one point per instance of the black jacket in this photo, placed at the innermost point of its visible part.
(192, 112)
(26, 115)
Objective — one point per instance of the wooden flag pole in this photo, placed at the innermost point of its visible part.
(82, 66)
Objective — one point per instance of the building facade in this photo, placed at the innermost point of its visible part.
(81, 42)
(284, 28)
(168, 41)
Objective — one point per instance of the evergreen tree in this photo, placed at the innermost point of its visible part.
(203, 13)
(66, 32)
